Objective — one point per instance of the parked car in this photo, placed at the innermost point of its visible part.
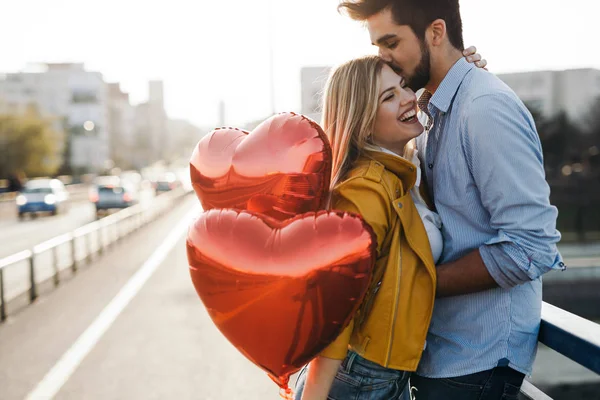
(42, 195)
(110, 194)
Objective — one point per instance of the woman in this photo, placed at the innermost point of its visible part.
(371, 120)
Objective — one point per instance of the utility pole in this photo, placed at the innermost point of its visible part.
(271, 24)
(221, 114)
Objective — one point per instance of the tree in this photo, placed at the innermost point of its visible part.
(562, 141)
(28, 145)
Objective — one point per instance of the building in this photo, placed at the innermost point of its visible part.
(121, 119)
(75, 99)
(312, 80)
(183, 137)
(157, 135)
(549, 92)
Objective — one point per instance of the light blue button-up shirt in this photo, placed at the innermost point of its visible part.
(483, 164)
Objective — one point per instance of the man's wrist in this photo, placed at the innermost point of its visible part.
(466, 275)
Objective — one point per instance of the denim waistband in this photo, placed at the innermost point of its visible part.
(355, 363)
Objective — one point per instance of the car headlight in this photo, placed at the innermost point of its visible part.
(21, 200)
(50, 199)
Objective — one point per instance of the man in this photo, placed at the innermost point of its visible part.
(483, 166)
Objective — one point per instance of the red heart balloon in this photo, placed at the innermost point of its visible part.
(280, 291)
(280, 169)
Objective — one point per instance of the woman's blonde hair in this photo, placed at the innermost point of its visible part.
(349, 111)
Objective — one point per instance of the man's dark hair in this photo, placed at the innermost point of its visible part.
(418, 14)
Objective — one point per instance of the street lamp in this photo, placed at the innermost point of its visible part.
(89, 127)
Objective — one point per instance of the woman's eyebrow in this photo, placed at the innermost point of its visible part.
(386, 90)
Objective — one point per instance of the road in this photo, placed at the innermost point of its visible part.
(162, 345)
(18, 235)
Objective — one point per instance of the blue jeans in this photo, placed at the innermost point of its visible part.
(360, 379)
(500, 383)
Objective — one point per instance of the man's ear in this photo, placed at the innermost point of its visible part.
(436, 32)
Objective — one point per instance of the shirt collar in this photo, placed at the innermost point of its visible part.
(442, 98)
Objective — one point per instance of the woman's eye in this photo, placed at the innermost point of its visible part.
(392, 45)
(388, 97)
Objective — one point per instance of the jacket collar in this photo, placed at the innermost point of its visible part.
(442, 98)
(402, 168)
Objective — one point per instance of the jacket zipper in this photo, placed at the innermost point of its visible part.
(391, 339)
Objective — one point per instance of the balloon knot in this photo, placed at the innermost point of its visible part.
(286, 393)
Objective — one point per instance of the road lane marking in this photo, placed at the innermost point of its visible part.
(54, 380)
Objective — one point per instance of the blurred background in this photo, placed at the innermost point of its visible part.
(88, 87)
(102, 103)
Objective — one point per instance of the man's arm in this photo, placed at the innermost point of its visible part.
(504, 155)
(463, 276)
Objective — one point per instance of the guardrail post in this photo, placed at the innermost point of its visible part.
(33, 289)
(55, 262)
(100, 239)
(88, 245)
(117, 230)
(2, 306)
(73, 255)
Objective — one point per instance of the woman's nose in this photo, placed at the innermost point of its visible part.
(407, 96)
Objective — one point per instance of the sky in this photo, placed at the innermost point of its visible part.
(211, 51)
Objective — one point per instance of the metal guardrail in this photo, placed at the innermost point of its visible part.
(570, 335)
(105, 232)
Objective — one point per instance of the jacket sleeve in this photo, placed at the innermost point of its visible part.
(367, 198)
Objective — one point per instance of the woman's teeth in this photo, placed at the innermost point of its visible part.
(408, 116)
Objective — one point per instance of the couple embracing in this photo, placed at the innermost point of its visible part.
(453, 185)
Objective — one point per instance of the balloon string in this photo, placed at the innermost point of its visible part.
(286, 393)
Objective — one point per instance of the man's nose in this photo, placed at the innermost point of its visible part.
(385, 55)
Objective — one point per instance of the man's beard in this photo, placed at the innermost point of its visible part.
(422, 73)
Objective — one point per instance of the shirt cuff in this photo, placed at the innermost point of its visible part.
(507, 271)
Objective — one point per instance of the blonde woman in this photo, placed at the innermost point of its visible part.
(370, 117)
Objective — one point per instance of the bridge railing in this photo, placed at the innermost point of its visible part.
(79, 246)
(570, 335)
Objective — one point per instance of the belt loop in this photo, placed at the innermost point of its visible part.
(351, 357)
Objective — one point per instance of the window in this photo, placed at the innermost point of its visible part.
(84, 97)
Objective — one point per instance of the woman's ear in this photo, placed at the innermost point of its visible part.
(437, 32)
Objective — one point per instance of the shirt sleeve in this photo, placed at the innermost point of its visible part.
(505, 158)
(360, 196)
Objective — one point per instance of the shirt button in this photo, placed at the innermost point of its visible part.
(399, 205)
(411, 169)
(430, 166)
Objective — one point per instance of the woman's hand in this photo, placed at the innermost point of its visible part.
(319, 378)
(475, 58)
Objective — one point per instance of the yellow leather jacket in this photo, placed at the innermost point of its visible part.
(390, 328)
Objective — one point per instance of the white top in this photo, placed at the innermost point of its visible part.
(431, 220)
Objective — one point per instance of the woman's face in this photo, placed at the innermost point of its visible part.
(396, 122)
